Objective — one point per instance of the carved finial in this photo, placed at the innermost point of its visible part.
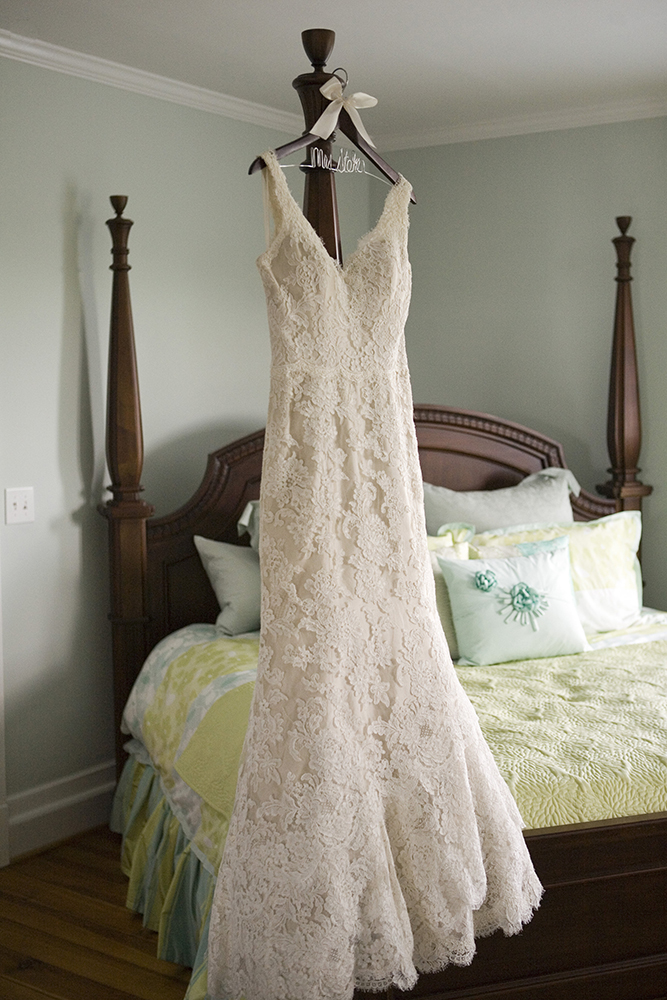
(623, 223)
(118, 202)
(318, 43)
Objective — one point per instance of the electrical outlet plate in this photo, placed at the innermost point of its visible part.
(19, 505)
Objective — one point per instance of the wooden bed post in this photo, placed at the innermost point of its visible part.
(319, 194)
(126, 512)
(624, 434)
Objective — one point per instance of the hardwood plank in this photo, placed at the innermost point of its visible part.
(77, 857)
(14, 991)
(86, 937)
(10, 989)
(100, 839)
(65, 933)
(80, 856)
(99, 968)
(42, 980)
(81, 910)
(86, 882)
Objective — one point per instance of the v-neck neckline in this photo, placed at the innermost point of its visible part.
(280, 181)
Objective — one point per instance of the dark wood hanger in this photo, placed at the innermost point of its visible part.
(319, 200)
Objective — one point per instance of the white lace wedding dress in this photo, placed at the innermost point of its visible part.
(372, 834)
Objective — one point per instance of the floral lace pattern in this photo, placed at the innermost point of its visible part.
(372, 835)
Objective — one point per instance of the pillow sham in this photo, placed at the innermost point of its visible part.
(603, 559)
(451, 543)
(248, 523)
(234, 574)
(518, 608)
(542, 496)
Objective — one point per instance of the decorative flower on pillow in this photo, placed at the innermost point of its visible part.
(524, 605)
(485, 581)
(520, 603)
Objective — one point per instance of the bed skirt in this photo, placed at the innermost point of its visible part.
(168, 884)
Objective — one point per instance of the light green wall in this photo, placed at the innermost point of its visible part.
(202, 345)
(513, 287)
(513, 290)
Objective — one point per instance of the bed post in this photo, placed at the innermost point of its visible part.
(624, 432)
(319, 193)
(126, 512)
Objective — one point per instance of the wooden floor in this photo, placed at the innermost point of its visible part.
(65, 932)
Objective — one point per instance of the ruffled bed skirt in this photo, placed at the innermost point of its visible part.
(169, 885)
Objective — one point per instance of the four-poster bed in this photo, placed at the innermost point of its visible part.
(602, 929)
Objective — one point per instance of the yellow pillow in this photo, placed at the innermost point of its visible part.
(603, 561)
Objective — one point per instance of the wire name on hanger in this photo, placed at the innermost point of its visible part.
(347, 163)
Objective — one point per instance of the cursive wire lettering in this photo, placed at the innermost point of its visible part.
(347, 163)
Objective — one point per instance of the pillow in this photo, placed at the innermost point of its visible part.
(234, 574)
(603, 558)
(451, 543)
(248, 523)
(543, 496)
(517, 608)
(517, 549)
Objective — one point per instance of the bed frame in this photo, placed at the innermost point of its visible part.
(601, 931)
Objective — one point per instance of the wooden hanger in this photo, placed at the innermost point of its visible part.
(320, 206)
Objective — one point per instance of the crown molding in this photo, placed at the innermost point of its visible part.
(548, 121)
(62, 60)
(55, 57)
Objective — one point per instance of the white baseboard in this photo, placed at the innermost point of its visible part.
(60, 809)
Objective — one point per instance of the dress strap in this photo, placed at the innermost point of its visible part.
(267, 209)
(278, 199)
(282, 201)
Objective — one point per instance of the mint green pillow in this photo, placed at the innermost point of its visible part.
(517, 608)
(233, 571)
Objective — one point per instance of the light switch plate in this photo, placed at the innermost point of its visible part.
(19, 505)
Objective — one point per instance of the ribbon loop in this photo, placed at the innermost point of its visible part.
(333, 91)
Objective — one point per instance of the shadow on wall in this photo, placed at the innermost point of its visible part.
(61, 721)
(82, 394)
(82, 530)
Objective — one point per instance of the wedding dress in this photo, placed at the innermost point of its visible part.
(372, 834)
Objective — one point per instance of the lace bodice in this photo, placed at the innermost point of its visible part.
(323, 315)
(372, 835)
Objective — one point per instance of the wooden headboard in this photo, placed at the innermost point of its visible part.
(458, 448)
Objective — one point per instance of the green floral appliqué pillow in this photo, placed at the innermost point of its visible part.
(518, 608)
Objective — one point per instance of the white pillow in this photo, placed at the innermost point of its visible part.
(517, 608)
(542, 496)
(248, 523)
(234, 574)
(451, 543)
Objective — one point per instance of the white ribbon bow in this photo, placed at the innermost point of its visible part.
(333, 91)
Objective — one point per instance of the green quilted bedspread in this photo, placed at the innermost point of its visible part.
(577, 738)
